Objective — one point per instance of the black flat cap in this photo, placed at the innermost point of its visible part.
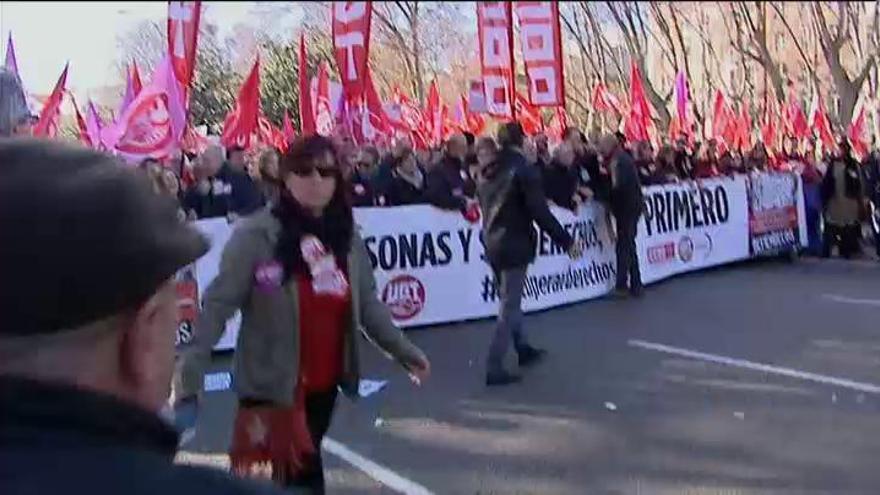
(82, 237)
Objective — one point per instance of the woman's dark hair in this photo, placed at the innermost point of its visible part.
(334, 228)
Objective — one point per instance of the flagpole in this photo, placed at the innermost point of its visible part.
(509, 6)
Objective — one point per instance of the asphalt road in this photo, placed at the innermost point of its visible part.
(605, 416)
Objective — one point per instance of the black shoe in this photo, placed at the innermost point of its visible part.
(501, 378)
(620, 294)
(636, 292)
(531, 356)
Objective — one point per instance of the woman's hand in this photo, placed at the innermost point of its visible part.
(419, 370)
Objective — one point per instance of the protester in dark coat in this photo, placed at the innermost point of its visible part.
(592, 181)
(381, 179)
(843, 201)
(561, 178)
(872, 185)
(407, 182)
(626, 206)
(362, 190)
(87, 342)
(222, 189)
(512, 201)
(447, 181)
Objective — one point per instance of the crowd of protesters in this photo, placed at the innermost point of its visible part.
(838, 187)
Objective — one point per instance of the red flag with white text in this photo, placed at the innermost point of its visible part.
(541, 42)
(183, 34)
(351, 44)
(495, 31)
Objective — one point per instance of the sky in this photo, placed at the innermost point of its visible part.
(46, 35)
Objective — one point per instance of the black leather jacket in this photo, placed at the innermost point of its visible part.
(512, 201)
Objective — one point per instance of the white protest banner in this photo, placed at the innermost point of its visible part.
(692, 225)
(429, 263)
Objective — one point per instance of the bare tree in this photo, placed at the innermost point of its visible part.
(834, 38)
(749, 38)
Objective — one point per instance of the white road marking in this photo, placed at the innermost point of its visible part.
(766, 368)
(376, 471)
(852, 300)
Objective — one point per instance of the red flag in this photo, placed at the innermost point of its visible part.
(94, 126)
(529, 116)
(306, 115)
(799, 127)
(495, 31)
(192, 141)
(636, 127)
(819, 121)
(47, 126)
(603, 100)
(269, 135)
(324, 122)
(722, 118)
(856, 132)
(241, 122)
(558, 124)
(154, 122)
(135, 78)
(434, 116)
(289, 133)
(541, 41)
(375, 125)
(351, 44)
(768, 127)
(82, 128)
(744, 129)
(183, 35)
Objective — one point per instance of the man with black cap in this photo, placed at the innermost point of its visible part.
(87, 342)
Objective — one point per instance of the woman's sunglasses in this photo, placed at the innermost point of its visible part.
(308, 171)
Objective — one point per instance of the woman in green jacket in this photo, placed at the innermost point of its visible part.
(300, 274)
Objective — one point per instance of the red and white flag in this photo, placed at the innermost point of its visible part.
(183, 35)
(604, 100)
(324, 120)
(47, 125)
(241, 122)
(528, 115)
(856, 130)
(375, 125)
(351, 44)
(154, 122)
(819, 121)
(541, 41)
(495, 31)
(133, 86)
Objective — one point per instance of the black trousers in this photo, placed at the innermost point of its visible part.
(319, 413)
(628, 275)
(845, 237)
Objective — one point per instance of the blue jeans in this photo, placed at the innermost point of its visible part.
(509, 325)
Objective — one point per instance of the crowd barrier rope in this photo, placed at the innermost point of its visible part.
(429, 264)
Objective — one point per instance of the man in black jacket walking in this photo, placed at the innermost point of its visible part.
(512, 201)
(87, 341)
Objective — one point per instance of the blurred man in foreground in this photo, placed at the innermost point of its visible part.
(87, 342)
